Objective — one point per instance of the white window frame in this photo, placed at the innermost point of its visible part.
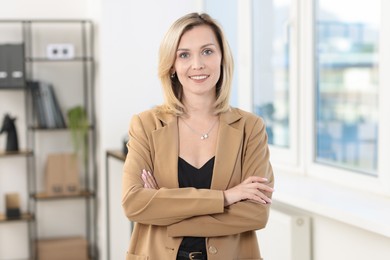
(287, 158)
(352, 179)
(300, 157)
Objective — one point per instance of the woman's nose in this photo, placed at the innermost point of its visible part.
(198, 63)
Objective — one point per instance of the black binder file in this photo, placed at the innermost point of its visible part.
(12, 65)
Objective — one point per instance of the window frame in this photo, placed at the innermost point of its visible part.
(350, 178)
(300, 157)
(290, 156)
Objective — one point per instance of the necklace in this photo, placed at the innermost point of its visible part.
(202, 136)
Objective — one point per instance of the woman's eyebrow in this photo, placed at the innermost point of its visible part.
(203, 46)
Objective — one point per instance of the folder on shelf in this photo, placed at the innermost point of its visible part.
(37, 103)
(58, 116)
(46, 105)
(12, 67)
(16, 65)
(3, 66)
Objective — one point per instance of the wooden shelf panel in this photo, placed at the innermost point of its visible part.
(37, 128)
(16, 153)
(45, 196)
(24, 217)
(44, 59)
(13, 88)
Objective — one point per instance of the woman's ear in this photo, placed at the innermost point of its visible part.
(172, 72)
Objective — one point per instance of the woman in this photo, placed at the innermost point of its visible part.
(197, 180)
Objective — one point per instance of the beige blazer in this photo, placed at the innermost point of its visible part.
(162, 217)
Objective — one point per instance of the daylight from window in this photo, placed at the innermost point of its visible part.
(271, 48)
(346, 67)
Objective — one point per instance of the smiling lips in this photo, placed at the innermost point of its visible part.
(199, 77)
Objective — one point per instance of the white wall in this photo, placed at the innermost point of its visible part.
(330, 238)
(130, 34)
(24, 9)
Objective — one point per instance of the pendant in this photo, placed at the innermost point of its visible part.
(205, 136)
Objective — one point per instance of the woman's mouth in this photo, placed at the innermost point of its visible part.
(199, 77)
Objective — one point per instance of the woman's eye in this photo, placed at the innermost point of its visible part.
(183, 55)
(207, 52)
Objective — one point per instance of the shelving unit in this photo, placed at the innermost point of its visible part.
(72, 78)
(16, 165)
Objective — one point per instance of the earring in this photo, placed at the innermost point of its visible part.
(173, 75)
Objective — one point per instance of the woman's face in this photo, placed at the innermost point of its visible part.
(198, 61)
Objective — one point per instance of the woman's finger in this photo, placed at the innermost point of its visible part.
(152, 180)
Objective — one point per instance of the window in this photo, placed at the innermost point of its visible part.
(271, 67)
(347, 84)
(274, 75)
(319, 77)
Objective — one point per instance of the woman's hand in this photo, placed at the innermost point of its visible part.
(149, 180)
(250, 189)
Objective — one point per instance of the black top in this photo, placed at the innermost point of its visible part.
(189, 176)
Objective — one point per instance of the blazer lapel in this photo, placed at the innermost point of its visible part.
(165, 141)
(228, 146)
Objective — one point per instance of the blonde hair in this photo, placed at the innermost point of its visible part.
(172, 88)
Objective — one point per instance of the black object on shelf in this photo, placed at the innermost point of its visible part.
(12, 65)
(46, 106)
(12, 203)
(8, 127)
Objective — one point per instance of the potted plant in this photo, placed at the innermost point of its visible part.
(79, 125)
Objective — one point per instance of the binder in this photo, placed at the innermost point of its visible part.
(12, 66)
(58, 116)
(37, 103)
(16, 65)
(46, 106)
(3, 66)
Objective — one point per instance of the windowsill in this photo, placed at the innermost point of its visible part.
(364, 210)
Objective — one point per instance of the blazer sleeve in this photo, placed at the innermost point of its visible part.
(158, 207)
(242, 216)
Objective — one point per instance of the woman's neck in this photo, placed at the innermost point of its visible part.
(200, 107)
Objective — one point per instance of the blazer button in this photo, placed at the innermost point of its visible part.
(212, 250)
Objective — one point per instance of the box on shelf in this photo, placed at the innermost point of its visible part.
(12, 204)
(62, 174)
(75, 248)
(12, 65)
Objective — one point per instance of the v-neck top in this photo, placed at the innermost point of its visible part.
(190, 176)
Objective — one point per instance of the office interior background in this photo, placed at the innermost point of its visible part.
(317, 71)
